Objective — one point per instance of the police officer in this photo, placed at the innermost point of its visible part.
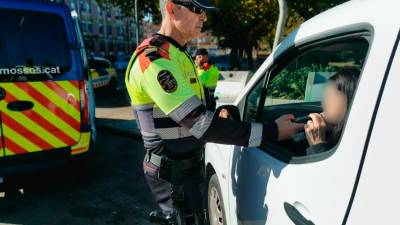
(208, 76)
(168, 103)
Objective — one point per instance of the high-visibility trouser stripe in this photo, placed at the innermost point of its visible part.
(30, 135)
(16, 142)
(46, 129)
(59, 102)
(51, 117)
(45, 104)
(62, 90)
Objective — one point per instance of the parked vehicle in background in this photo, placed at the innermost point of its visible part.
(120, 66)
(122, 63)
(354, 182)
(222, 62)
(103, 74)
(44, 98)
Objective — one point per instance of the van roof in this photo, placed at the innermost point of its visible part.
(48, 9)
(33, 5)
(43, 6)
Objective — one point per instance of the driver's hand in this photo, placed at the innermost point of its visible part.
(315, 129)
(286, 128)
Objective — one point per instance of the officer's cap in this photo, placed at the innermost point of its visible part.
(205, 4)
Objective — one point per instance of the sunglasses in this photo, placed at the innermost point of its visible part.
(192, 7)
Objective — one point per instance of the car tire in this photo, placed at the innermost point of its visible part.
(216, 212)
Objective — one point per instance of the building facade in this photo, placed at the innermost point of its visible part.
(106, 31)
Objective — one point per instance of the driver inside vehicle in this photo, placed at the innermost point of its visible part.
(323, 130)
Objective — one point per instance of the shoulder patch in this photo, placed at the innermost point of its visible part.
(167, 81)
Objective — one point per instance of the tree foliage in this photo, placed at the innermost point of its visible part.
(240, 24)
(243, 24)
(310, 8)
(145, 7)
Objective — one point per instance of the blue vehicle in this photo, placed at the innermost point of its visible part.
(46, 98)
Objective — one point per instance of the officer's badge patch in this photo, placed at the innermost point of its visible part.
(167, 81)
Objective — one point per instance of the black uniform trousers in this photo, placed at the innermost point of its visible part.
(192, 185)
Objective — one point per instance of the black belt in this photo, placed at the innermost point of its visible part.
(184, 163)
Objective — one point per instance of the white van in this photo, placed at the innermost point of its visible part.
(356, 182)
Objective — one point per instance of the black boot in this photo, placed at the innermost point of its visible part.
(159, 218)
(196, 219)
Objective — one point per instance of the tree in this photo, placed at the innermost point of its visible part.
(240, 24)
(310, 8)
(243, 24)
(145, 7)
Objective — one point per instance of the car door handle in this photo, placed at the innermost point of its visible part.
(20, 106)
(294, 215)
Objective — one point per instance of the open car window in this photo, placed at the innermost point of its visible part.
(297, 84)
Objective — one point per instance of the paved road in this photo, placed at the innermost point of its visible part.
(107, 188)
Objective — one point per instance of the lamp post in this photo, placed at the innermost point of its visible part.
(137, 24)
(283, 13)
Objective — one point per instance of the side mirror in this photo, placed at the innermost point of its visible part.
(233, 112)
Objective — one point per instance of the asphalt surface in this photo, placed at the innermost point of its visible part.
(106, 187)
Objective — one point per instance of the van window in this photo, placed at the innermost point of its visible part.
(304, 78)
(33, 46)
(297, 85)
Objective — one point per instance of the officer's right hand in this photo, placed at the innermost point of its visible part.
(286, 128)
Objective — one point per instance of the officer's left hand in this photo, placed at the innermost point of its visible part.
(315, 129)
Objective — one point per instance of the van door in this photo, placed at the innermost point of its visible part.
(86, 76)
(41, 106)
(377, 192)
(283, 183)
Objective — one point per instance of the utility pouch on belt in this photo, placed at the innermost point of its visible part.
(164, 172)
(173, 170)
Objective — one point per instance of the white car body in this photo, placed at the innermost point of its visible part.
(354, 184)
(230, 85)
